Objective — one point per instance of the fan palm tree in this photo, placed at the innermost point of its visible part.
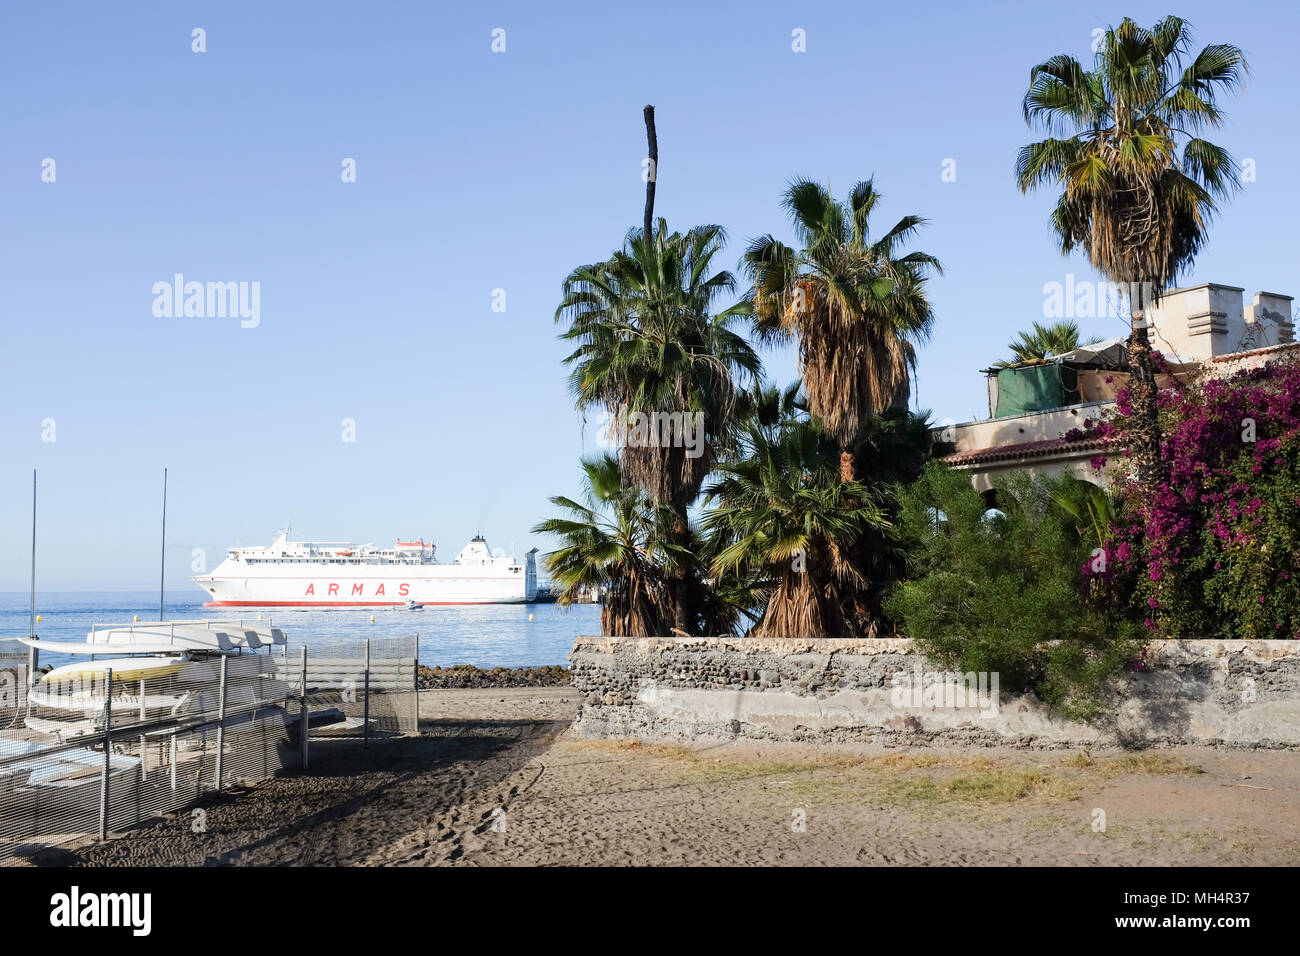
(1090, 507)
(857, 305)
(1042, 342)
(785, 523)
(893, 449)
(1138, 183)
(612, 543)
(650, 341)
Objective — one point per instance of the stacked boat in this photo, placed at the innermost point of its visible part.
(170, 668)
(144, 719)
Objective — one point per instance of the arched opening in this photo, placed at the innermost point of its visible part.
(992, 511)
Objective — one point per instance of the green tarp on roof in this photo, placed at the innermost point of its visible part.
(1035, 388)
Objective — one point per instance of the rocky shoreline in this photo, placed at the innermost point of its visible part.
(469, 676)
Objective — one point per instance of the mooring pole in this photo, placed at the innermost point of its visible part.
(108, 749)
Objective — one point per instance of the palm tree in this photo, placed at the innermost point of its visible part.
(857, 305)
(651, 342)
(1138, 184)
(612, 544)
(1042, 342)
(894, 449)
(1090, 507)
(789, 527)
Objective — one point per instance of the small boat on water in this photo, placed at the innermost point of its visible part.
(414, 606)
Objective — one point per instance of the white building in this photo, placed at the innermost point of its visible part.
(1038, 414)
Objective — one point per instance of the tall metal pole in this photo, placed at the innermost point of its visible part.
(144, 753)
(31, 620)
(33, 655)
(108, 749)
(162, 568)
(221, 721)
(304, 730)
(365, 713)
(416, 706)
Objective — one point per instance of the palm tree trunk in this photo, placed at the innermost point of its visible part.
(681, 585)
(846, 466)
(1144, 436)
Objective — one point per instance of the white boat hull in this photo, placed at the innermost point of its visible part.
(303, 574)
(378, 586)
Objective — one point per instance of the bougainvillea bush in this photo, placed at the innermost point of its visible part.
(1216, 553)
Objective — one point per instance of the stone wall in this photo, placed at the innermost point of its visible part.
(1222, 693)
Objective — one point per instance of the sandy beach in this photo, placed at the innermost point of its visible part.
(494, 779)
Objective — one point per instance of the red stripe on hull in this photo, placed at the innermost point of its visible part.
(344, 603)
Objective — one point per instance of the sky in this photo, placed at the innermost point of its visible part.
(481, 178)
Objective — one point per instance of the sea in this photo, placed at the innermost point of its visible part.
(485, 635)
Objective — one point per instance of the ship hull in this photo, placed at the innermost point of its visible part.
(377, 587)
(353, 603)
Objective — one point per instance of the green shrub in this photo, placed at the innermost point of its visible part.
(1002, 592)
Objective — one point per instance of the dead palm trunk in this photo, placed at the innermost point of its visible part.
(652, 142)
(681, 528)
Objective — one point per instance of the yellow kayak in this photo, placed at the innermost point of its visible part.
(123, 668)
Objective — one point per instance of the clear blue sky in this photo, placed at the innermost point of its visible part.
(476, 171)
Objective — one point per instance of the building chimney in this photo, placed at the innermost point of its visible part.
(1269, 320)
(1198, 323)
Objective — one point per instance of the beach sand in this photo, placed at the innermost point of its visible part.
(495, 780)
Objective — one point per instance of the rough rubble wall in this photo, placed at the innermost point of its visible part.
(1223, 693)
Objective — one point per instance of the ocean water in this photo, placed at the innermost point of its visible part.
(488, 635)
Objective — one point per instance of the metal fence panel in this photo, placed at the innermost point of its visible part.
(353, 695)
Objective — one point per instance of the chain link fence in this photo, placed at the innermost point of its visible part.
(116, 743)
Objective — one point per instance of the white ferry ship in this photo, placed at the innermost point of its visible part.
(334, 574)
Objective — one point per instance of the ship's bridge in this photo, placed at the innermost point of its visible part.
(478, 552)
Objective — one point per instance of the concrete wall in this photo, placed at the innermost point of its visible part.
(1018, 429)
(1223, 693)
